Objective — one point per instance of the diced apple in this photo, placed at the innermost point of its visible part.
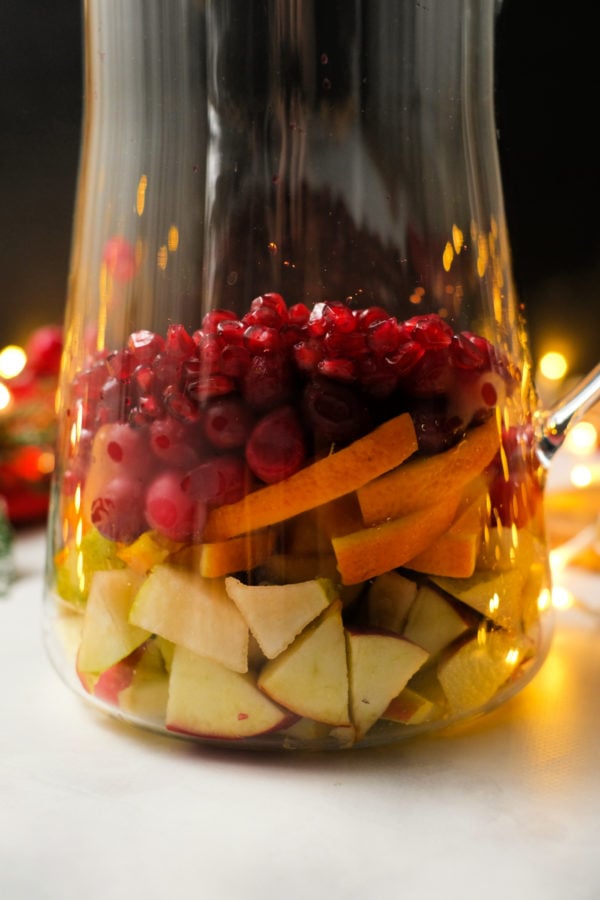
(107, 634)
(76, 564)
(310, 677)
(497, 595)
(389, 599)
(379, 666)
(432, 621)
(209, 700)
(146, 695)
(472, 674)
(410, 708)
(276, 613)
(195, 612)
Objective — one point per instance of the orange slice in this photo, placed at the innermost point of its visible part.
(382, 449)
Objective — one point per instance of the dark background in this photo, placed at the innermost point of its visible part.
(547, 111)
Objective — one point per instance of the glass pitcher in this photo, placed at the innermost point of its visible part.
(298, 497)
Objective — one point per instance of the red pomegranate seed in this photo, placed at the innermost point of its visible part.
(211, 320)
(298, 314)
(231, 331)
(144, 346)
(368, 317)
(470, 352)
(181, 406)
(406, 357)
(307, 355)
(339, 368)
(234, 361)
(179, 343)
(258, 338)
(383, 336)
(430, 330)
(121, 364)
(339, 317)
(214, 385)
(351, 345)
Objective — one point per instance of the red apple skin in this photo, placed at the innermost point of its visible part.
(287, 719)
(108, 685)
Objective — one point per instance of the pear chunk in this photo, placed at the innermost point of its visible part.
(310, 677)
(193, 611)
(107, 635)
(276, 613)
(379, 665)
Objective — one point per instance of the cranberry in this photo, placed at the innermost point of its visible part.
(267, 383)
(336, 414)
(227, 422)
(116, 511)
(170, 509)
(176, 443)
(218, 480)
(215, 385)
(276, 447)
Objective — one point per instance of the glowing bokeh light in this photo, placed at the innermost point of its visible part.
(582, 439)
(5, 397)
(12, 361)
(553, 366)
(581, 476)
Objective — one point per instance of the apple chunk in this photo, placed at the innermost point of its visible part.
(107, 635)
(389, 600)
(276, 613)
(473, 673)
(379, 665)
(310, 677)
(432, 621)
(209, 700)
(195, 612)
(410, 708)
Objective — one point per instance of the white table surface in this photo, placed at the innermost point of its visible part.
(92, 808)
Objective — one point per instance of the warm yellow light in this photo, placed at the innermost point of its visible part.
(140, 200)
(458, 239)
(45, 462)
(447, 256)
(581, 476)
(582, 439)
(12, 361)
(173, 238)
(562, 598)
(553, 366)
(162, 257)
(5, 397)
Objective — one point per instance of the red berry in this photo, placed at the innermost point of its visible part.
(170, 509)
(276, 446)
(116, 511)
(176, 443)
(227, 422)
(44, 350)
(218, 480)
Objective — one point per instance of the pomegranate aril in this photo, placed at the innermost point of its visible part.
(234, 361)
(181, 406)
(367, 317)
(231, 331)
(167, 372)
(307, 355)
(298, 314)
(258, 338)
(470, 352)
(430, 330)
(276, 447)
(211, 320)
(120, 364)
(209, 349)
(214, 385)
(267, 383)
(337, 343)
(338, 368)
(384, 337)
(144, 346)
(179, 343)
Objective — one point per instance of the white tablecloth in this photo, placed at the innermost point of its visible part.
(91, 808)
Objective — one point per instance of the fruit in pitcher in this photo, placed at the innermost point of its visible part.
(310, 508)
